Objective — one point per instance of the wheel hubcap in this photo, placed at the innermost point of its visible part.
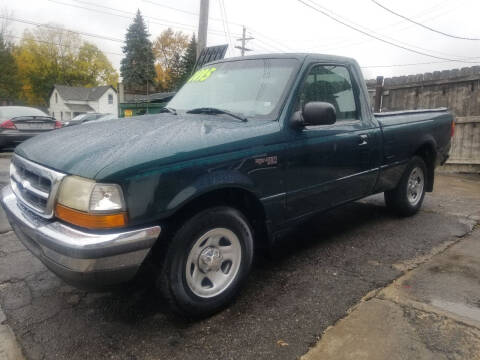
(213, 262)
(210, 259)
(415, 186)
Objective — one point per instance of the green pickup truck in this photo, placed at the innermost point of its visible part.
(246, 150)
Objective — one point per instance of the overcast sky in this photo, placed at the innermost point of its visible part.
(284, 26)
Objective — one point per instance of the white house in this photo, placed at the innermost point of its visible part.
(66, 102)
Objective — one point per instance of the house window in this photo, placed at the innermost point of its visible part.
(56, 98)
(110, 98)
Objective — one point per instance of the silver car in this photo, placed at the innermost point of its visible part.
(83, 118)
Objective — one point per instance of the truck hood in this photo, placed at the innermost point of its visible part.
(99, 150)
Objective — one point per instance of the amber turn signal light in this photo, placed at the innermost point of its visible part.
(90, 221)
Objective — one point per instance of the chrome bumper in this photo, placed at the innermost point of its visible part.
(84, 259)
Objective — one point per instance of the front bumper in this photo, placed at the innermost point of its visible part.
(84, 259)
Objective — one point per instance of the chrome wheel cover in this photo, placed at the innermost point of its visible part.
(415, 185)
(213, 262)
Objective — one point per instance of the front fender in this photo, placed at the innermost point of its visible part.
(209, 182)
(159, 195)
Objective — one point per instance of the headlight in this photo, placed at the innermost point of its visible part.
(85, 203)
(106, 198)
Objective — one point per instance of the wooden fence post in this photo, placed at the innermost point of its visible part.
(378, 94)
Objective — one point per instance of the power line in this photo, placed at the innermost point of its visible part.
(122, 11)
(422, 25)
(154, 20)
(123, 16)
(185, 11)
(268, 46)
(222, 8)
(339, 43)
(226, 23)
(226, 29)
(60, 45)
(227, 39)
(277, 43)
(396, 41)
(29, 22)
(374, 36)
(171, 8)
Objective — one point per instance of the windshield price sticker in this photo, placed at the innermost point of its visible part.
(202, 75)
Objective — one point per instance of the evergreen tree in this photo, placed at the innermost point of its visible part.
(176, 73)
(137, 67)
(187, 63)
(9, 81)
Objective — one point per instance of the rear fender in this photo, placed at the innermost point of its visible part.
(428, 152)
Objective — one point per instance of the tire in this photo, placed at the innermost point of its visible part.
(407, 198)
(206, 263)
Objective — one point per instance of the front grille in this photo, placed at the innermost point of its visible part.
(34, 185)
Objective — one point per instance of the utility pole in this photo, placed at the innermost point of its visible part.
(202, 26)
(244, 39)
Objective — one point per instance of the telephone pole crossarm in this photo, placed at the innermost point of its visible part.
(244, 39)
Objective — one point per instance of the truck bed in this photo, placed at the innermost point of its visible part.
(391, 118)
(407, 130)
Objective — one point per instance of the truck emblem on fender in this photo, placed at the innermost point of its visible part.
(269, 160)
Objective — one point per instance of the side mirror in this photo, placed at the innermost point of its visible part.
(315, 113)
(319, 113)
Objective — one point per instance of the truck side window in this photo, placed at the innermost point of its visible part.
(332, 84)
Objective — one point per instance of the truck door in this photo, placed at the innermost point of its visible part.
(330, 164)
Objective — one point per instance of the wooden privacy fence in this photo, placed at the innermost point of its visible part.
(458, 90)
(465, 150)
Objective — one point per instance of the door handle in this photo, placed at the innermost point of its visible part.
(362, 140)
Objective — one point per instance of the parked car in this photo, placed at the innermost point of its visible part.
(82, 118)
(250, 148)
(104, 117)
(19, 123)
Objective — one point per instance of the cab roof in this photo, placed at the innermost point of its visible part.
(300, 56)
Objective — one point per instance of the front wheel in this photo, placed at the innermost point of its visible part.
(407, 198)
(207, 261)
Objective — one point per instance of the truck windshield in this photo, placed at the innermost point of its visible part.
(252, 88)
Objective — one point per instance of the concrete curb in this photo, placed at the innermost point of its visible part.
(9, 348)
(6, 155)
(424, 314)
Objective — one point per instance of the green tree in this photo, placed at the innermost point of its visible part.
(9, 81)
(169, 48)
(138, 65)
(50, 55)
(93, 67)
(176, 73)
(188, 61)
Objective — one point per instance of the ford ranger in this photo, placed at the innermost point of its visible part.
(247, 149)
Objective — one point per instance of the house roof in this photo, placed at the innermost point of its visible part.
(81, 93)
(80, 107)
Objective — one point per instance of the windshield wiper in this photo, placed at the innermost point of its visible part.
(215, 111)
(169, 110)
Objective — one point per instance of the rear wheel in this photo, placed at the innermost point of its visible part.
(407, 198)
(207, 261)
